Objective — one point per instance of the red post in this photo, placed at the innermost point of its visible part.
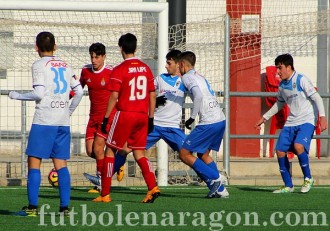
(244, 76)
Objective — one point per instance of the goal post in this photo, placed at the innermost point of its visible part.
(18, 25)
(160, 8)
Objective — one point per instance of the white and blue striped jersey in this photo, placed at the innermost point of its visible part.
(210, 111)
(296, 92)
(58, 79)
(170, 114)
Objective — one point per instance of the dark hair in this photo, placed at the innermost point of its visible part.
(285, 59)
(173, 54)
(189, 56)
(97, 48)
(45, 41)
(128, 43)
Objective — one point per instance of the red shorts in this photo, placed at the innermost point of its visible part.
(130, 127)
(94, 127)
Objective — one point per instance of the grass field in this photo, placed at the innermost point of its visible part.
(178, 208)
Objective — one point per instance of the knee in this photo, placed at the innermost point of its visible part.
(299, 148)
(280, 154)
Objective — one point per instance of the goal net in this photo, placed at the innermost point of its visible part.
(74, 32)
(295, 29)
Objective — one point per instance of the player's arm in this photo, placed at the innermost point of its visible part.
(278, 105)
(319, 104)
(160, 99)
(37, 94)
(111, 104)
(197, 98)
(152, 103)
(77, 96)
(152, 106)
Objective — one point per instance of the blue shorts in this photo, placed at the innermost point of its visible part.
(301, 134)
(205, 137)
(174, 137)
(49, 142)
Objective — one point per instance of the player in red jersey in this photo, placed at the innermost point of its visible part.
(96, 76)
(132, 88)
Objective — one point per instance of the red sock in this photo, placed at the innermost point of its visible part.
(107, 173)
(147, 172)
(99, 166)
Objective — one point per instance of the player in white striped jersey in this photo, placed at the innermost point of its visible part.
(208, 134)
(50, 132)
(305, 105)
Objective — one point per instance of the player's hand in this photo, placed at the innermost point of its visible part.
(161, 100)
(188, 123)
(13, 95)
(257, 126)
(150, 125)
(104, 125)
(323, 124)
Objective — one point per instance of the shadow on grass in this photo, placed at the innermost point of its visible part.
(6, 213)
(254, 189)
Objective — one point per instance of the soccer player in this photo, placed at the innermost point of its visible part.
(305, 104)
(96, 76)
(168, 113)
(50, 132)
(133, 93)
(207, 135)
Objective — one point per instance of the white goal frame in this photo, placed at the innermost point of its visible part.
(98, 6)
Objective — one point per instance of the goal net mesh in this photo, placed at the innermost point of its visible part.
(293, 29)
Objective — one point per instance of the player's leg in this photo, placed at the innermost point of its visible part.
(174, 137)
(207, 159)
(215, 138)
(199, 141)
(137, 142)
(89, 147)
(116, 136)
(60, 155)
(98, 150)
(204, 171)
(37, 149)
(98, 137)
(120, 160)
(91, 129)
(301, 146)
(33, 185)
(282, 147)
(96, 180)
(64, 184)
(106, 178)
(148, 175)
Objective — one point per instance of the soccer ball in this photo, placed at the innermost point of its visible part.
(53, 178)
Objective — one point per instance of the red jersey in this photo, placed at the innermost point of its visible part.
(133, 79)
(97, 82)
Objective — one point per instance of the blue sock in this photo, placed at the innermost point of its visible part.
(33, 185)
(287, 164)
(119, 161)
(304, 164)
(206, 173)
(213, 165)
(64, 186)
(284, 172)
